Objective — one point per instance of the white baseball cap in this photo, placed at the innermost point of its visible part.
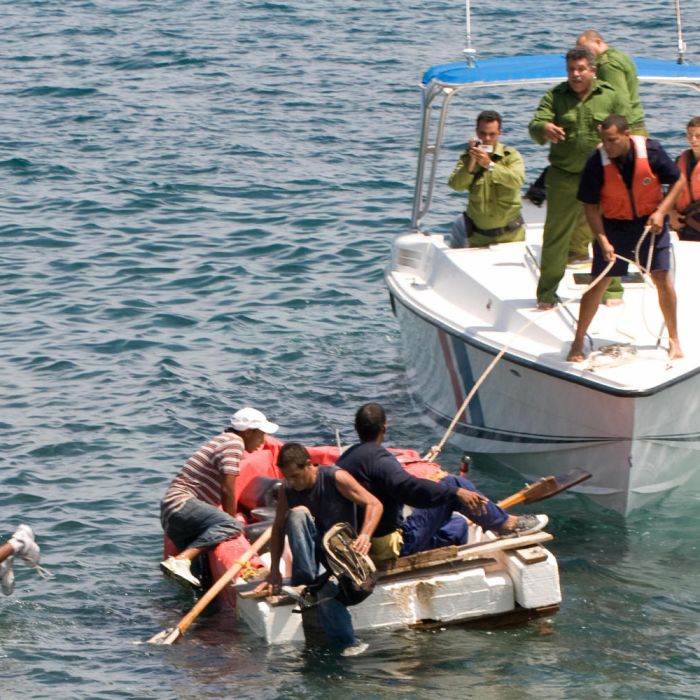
(251, 419)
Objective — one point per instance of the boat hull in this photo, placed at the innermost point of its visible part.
(638, 445)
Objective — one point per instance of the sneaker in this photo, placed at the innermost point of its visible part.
(526, 525)
(179, 569)
(7, 576)
(24, 545)
(342, 558)
(301, 595)
(355, 649)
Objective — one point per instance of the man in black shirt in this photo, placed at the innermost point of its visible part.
(312, 501)
(431, 524)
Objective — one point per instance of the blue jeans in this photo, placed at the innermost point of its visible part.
(201, 525)
(427, 528)
(303, 541)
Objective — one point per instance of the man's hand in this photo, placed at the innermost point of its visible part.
(606, 248)
(477, 155)
(677, 221)
(554, 133)
(271, 585)
(362, 544)
(656, 222)
(473, 501)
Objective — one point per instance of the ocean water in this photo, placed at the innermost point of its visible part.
(198, 202)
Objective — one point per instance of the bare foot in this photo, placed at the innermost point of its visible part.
(576, 354)
(545, 305)
(674, 349)
(508, 525)
(614, 302)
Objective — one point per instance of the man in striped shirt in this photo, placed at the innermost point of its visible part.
(190, 511)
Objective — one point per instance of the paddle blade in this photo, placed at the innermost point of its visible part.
(169, 636)
(546, 487)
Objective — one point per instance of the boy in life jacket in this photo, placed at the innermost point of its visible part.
(620, 189)
(682, 203)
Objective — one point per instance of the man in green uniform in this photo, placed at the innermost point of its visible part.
(568, 117)
(493, 175)
(617, 69)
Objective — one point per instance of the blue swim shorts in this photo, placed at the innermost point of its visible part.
(201, 525)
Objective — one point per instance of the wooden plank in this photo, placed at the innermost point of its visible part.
(531, 555)
(511, 618)
(437, 568)
(421, 560)
(503, 543)
(444, 555)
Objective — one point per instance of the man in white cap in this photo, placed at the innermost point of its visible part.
(190, 511)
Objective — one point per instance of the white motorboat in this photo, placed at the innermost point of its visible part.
(626, 414)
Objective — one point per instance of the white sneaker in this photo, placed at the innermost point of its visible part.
(179, 569)
(526, 525)
(24, 545)
(7, 576)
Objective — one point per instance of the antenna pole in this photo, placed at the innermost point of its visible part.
(469, 52)
(681, 43)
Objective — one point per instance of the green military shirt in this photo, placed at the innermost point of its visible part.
(579, 118)
(494, 196)
(618, 69)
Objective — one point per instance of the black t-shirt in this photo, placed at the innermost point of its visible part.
(375, 468)
(324, 501)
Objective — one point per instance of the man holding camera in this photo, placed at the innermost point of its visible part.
(493, 175)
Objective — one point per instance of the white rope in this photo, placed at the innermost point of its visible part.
(436, 449)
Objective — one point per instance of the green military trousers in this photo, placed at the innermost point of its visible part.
(565, 222)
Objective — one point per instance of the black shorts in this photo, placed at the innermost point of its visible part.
(624, 239)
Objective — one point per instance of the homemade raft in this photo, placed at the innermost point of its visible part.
(494, 581)
(490, 581)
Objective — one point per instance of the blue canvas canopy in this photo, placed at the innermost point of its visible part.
(542, 68)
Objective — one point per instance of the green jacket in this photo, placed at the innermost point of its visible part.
(618, 69)
(494, 197)
(579, 119)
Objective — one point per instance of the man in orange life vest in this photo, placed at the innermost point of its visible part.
(682, 203)
(620, 189)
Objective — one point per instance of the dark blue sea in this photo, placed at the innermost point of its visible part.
(197, 203)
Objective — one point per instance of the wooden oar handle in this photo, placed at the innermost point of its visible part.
(230, 574)
(546, 487)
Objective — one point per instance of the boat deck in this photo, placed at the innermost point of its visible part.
(488, 295)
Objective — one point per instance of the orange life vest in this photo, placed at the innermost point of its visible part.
(620, 202)
(689, 193)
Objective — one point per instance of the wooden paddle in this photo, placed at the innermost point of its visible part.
(172, 635)
(546, 487)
